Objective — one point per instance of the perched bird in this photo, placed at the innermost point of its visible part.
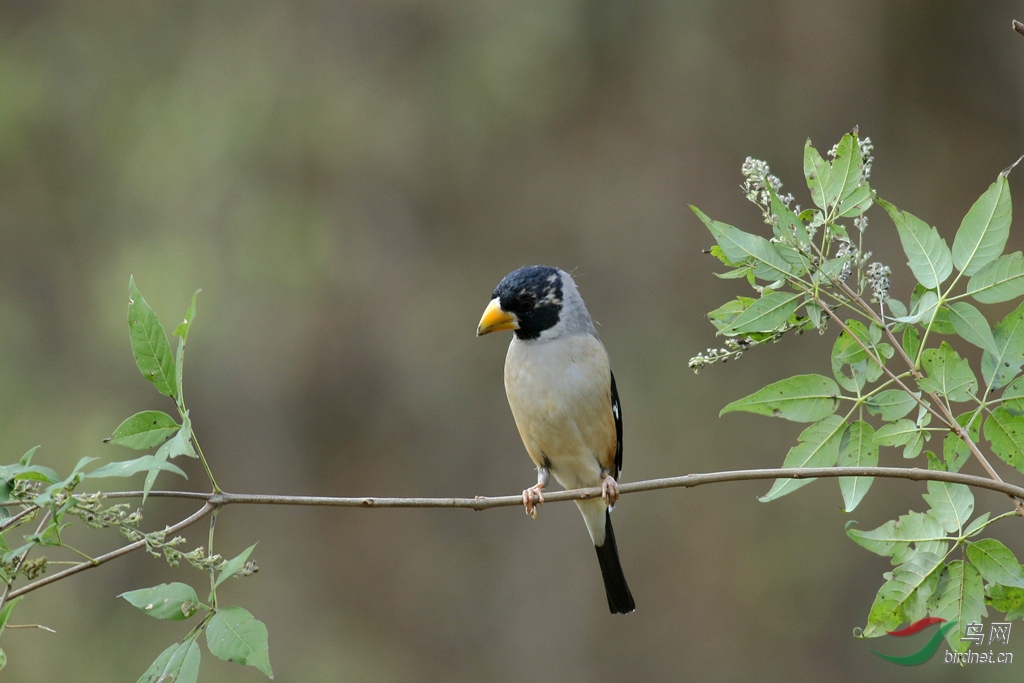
(561, 389)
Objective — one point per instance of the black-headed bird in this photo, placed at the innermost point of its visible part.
(561, 389)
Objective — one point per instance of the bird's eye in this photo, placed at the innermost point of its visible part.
(526, 305)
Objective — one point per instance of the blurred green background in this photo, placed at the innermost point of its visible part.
(347, 182)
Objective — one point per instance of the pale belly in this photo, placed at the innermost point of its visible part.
(560, 395)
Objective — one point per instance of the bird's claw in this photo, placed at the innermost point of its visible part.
(610, 490)
(532, 497)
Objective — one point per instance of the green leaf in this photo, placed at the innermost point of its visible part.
(901, 433)
(995, 562)
(858, 449)
(798, 262)
(894, 538)
(26, 459)
(724, 315)
(845, 176)
(830, 270)
(813, 316)
(951, 504)
(977, 525)
(911, 341)
(789, 224)
(144, 430)
(181, 332)
(896, 307)
(844, 173)
(1005, 431)
(127, 468)
(948, 374)
(1000, 280)
(986, 227)
(955, 450)
(767, 314)
(1013, 397)
(234, 635)
(801, 398)
(182, 329)
(738, 269)
(1008, 600)
(232, 566)
(847, 350)
(150, 347)
(174, 601)
(179, 374)
(857, 202)
(972, 326)
(817, 172)
(928, 256)
(940, 322)
(904, 597)
(67, 484)
(736, 274)
(30, 472)
(177, 664)
(743, 247)
(51, 534)
(5, 613)
(891, 404)
(960, 595)
(818, 447)
(923, 307)
(18, 552)
(179, 444)
(999, 369)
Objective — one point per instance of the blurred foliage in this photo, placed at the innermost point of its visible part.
(346, 182)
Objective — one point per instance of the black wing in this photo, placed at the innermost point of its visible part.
(617, 414)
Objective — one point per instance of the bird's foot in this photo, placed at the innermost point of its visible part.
(610, 490)
(532, 497)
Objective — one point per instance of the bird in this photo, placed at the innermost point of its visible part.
(561, 389)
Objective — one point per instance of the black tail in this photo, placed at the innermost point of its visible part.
(620, 601)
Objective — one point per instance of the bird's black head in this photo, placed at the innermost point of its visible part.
(534, 295)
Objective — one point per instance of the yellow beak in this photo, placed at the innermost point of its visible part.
(496, 320)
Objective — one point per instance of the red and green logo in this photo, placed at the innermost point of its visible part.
(929, 649)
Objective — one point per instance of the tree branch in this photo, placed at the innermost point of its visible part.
(948, 418)
(215, 500)
(686, 481)
(123, 550)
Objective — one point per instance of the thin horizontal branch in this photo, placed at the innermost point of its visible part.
(215, 500)
(686, 481)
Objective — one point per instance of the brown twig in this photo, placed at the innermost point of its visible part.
(123, 550)
(7, 595)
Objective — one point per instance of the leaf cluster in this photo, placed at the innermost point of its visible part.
(31, 493)
(232, 633)
(896, 381)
